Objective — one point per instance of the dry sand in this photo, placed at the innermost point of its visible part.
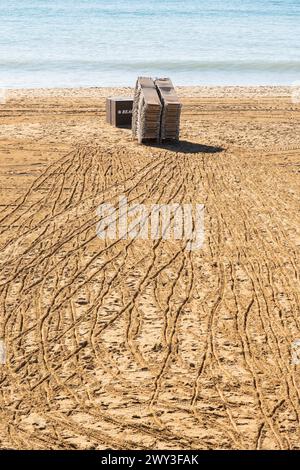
(143, 345)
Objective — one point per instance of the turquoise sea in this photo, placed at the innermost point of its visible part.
(71, 43)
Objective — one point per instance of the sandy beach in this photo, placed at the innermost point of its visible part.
(141, 344)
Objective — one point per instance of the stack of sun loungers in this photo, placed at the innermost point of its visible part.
(146, 113)
(156, 110)
(170, 118)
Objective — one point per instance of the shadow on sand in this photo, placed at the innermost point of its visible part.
(184, 146)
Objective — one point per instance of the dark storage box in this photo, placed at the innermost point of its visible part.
(119, 111)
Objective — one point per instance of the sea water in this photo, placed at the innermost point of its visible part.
(71, 43)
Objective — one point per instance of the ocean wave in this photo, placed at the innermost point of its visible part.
(165, 65)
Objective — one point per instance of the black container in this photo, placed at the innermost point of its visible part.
(119, 111)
